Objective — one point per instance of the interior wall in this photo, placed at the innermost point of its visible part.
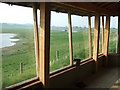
(70, 78)
(114, 60)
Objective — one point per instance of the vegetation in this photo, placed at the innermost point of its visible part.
(113, 40)
(24, 51)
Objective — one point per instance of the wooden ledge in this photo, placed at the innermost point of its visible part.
(23, 84)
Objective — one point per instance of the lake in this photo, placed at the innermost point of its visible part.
(6, 40)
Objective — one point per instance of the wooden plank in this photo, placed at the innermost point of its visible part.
(90, 37)
(44, 42)
(70, 38)
(36, 36)
(118, 46)
(102, 34)
(106, 40)
(96, 40)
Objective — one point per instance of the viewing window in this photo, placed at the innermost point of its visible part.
(18, 50)
(59, 41)
(80, 37)
(113, 35)
(92, 26)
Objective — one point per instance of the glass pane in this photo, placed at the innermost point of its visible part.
(18, 52)
(113, 35)
(100, 37)
(80, 37)
(59, 42)
(92, 25)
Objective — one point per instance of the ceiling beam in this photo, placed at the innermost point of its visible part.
(89, 7)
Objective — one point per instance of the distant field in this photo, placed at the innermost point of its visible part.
(23, 52)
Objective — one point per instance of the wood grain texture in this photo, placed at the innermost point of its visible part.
(90, 37)
(70, 38)
(44, 43)
(96, 41)
(36, 36)
(106, 40)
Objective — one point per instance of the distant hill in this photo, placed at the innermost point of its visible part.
(75, 28)
(16, 25)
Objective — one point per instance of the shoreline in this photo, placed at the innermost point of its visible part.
(8, 37)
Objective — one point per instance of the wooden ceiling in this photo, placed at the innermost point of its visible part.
(80, 8)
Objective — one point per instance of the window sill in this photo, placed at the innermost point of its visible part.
(24, 84)
(68, 68)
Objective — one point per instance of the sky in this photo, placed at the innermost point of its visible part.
(23, 15)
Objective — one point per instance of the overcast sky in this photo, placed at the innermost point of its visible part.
(23, 15)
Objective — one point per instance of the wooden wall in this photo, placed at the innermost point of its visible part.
(114, 60)
(69, 78)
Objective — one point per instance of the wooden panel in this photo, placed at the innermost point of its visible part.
(106, 40)
(36, 35)
(70, 38)
(44, 43)
(90, 37)
(118, 46)
(102, 34)
(96, 39)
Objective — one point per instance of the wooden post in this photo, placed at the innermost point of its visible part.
(21, 68)
(57, 55)
(44, 43)
(118, 44)
(90, 37)
(36, 36)
(96, 40)
(106, 40)
(102, 34)
(70, 38)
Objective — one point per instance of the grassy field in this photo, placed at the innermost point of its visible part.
(24, 52)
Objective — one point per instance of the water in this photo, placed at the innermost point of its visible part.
(6, 40)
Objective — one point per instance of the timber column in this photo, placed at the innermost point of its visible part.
(96, 41)
(106, 39)
(44, 43)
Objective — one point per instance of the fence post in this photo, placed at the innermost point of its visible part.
(21, 68)
(57, 55)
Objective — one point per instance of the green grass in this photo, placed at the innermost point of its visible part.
(24, 52)
(112, 41)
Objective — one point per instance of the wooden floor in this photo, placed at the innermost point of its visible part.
(106, 78)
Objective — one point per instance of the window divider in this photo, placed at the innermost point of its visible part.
(106, 41)
(70, 38)
(90, 37)
(96, 41)
(36, 35)
(44, 43)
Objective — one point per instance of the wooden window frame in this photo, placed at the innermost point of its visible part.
(96, 41)
(90, 37)
(106, 40)
(70, 38)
